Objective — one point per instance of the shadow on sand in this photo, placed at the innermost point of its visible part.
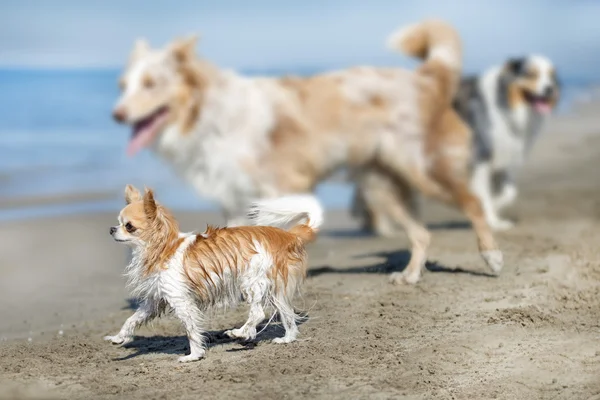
(395, 261)
(179, 345)
(362, 233)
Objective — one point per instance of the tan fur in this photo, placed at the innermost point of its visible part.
(315, 117)
(232, 248)
(154, 224)
(515, 94)
(419, 41)
(195, 79)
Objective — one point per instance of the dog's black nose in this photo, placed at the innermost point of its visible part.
(112, 230)
(120, 114)
(548, 91)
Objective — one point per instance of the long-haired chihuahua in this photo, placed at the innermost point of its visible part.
(263, 265)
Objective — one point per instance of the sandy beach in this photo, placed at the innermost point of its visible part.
(531, 333)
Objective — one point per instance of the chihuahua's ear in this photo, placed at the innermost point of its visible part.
(149, 204)
(184, 49)
(132, 194)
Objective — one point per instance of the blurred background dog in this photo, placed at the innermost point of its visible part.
(505, 107)
(237, 139)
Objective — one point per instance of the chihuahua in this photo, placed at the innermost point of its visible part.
(190, 273)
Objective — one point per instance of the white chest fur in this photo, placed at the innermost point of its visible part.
(159, 285)
(506, 126)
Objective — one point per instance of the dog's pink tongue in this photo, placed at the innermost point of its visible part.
(542, 107)
(140, 138)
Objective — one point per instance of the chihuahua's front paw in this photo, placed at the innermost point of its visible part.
(117, 339)
(192, 357)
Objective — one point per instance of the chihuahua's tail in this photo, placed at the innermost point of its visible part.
(301, 215)
(438, 44)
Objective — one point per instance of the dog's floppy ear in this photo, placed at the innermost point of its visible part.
(132, 194)
(515, 65)
(149, 204)
(184, 49)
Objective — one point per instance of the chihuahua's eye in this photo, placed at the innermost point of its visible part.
(148, 82)
(130, 228)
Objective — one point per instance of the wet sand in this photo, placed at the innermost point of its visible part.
(531, 333)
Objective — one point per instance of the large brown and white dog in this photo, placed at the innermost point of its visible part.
(236, 139)
(506, 107)
(191, 273)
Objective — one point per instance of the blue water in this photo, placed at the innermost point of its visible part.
(56, 136)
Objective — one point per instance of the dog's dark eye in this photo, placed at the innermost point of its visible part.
(130, 228)
(148, 82)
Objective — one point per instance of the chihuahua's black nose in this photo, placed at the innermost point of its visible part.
(548, 91)
(112, 230)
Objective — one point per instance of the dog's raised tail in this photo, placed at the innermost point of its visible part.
(439, 45)
(301, 215)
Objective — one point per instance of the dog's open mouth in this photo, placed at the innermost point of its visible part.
(145, 129)
(541, 104)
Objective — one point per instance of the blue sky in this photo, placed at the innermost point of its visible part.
(284, 34)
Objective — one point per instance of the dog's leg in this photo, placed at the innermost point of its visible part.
(506, 190)
(419, 239)
(377, 194)
(441, 172)
(145, 312)
(187, 311)
(453, 154)
(358, 209)
(288, 318)
(373, 216)
(471, 206)
(392, 199)
(254, 285)
(248, 330)
(481, 185)
(507, 196)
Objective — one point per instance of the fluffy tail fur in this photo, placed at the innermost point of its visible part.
(301, 215)
(439, 45)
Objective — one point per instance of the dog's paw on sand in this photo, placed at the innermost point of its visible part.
(240, 334)
(282, 340)
(403, 278)
(494, 260)
(116, 339)
(191, 357)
